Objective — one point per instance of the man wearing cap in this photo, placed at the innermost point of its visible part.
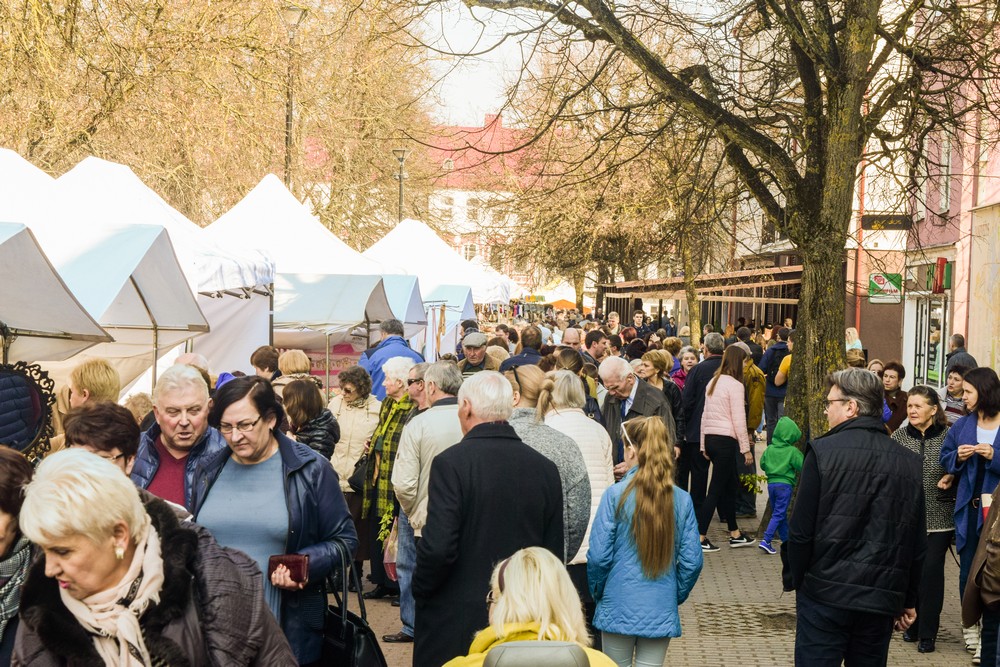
(476, 359)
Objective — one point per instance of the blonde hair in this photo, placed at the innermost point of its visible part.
(98, 377)
(530, 382)
(139, 405)
(75, 492)
(850, 335)
(661, 360)
(497, 353)
(563, 389)
(294, 361)
(537, 589)
(653, 486)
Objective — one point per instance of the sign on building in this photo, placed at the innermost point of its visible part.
(885, 288)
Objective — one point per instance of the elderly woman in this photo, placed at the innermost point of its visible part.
(531, 598)
(15, 549)
(293, 365)
(356, 410)
(268, 495)
(379, 499)
(124, 583)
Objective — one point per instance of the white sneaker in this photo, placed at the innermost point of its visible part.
(971, 637)
(977, 656)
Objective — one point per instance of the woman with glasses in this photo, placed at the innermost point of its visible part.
(268, 495)
(356, 410)
(644, 557)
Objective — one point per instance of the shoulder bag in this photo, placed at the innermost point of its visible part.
(357, 478)
(348, 640)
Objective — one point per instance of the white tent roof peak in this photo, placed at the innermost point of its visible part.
(26, 188)
(270, 218)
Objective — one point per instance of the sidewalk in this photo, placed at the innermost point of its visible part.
(737, 616)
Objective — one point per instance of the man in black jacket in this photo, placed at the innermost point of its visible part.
(857, 535)
(488, 496)
(691, 463)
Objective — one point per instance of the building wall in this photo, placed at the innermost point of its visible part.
(984, 328)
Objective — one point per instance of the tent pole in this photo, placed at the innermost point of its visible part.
(152, 320)
(156, 348)
(270, 317)
(328, 363)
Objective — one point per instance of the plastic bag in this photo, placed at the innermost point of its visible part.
(389, 552)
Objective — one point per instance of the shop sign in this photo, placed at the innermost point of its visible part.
(885, 288)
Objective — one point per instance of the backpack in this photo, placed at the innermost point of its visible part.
(775, 364)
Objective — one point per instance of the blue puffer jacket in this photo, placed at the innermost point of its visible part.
(317, 515)
(147, 459)
(628, 602)
(373, 359)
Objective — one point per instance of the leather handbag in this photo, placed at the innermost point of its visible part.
(348, 640)
(297, 564)
(357, 479)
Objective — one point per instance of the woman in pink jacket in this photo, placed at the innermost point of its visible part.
(723, 435)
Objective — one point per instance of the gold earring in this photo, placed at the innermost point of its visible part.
(119, 552)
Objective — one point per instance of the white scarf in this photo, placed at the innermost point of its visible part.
(112, 616)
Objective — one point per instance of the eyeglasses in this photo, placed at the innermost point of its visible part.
(242, 427)
(835, 400)
(412, 381)
(628, 440)
(490, 600)
(111, 458)
(347, 390)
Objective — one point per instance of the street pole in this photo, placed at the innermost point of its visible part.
(400, 154)
(292, 16)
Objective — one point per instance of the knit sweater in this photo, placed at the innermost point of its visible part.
(565, 453)
(940, 513)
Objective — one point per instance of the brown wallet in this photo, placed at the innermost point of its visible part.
(297, 564)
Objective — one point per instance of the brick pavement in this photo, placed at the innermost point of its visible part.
(738, 616)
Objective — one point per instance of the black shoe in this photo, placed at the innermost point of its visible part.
(398, 638)
(742, 541)
(926, 646)
(378, 593)
(395, 602)
(910, 634)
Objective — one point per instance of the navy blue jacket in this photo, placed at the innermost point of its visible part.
(373, 359)
(693, 395)
(772, 391)
(147, 459)
(529, 357)
(317, 515)
(964, 432)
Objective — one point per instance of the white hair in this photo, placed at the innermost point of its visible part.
(489, 394)
(193, 359)
(178, 378)
(614, 369)
(398, 368)
(75, 492)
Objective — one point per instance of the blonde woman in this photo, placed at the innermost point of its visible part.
(124, 583)
(851, 339)
(294, 365)
(531, 598)
(644, 556)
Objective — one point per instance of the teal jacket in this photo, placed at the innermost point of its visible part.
(782, 460)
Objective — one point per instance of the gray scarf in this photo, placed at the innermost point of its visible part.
(13, 571)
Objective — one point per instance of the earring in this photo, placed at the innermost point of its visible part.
(119, 552)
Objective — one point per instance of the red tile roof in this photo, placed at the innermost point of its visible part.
(481, 158)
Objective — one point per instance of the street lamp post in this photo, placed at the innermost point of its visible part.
(292, 15)
(400, 154)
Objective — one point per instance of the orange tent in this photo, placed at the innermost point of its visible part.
(564, 304)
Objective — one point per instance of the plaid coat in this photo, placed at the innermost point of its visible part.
(385, 442)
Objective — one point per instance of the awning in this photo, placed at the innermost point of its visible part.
(39, 316)
(313, 310)
(403, 293)
(730, 287)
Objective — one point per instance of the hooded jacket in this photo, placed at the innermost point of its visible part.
(782, 460)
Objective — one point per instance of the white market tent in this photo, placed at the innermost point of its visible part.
(270, 218)
(127, 279)
(415, 249)
(442, 333)
(232, 288)
(403, 294)
(39, 316)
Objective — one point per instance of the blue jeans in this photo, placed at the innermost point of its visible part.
(406, 563)
(780, 495)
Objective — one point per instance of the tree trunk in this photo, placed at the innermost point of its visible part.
(694, 306)
(578, 281)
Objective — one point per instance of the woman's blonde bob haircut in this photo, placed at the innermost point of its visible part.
(291, 362)
(537, 589)
(75, 492)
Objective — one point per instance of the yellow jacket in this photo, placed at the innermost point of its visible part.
(514, 632)
(755, 383)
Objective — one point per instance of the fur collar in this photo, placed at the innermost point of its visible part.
(59, 632)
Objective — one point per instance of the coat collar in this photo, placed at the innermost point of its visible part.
(859, 423)
(492, 431)
(933, 431)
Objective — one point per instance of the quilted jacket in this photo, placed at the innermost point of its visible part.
(628, 602)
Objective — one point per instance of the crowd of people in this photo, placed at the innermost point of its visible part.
(553, 481)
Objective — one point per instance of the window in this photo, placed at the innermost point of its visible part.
(474, 210)
(469, 251)
(448, 165)
(944, 176)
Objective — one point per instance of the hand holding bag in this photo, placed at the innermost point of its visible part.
(357, 479)
(389, 552)
(348, 640)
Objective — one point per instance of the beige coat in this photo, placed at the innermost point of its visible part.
(356, 427)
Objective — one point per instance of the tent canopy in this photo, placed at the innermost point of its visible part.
(44, 317)
(403, 293)
(415, 249)
(270, 218)
(312, 309)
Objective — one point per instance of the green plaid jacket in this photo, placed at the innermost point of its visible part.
(385, 441)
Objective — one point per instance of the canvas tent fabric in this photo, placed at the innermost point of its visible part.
(314, 310)
(37, 307)
(442, 335)
(403, 293)
(271, 219)
(415, 249)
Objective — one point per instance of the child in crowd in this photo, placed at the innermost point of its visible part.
(781, 461)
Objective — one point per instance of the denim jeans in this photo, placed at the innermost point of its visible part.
(828, 636)
(780, 495)
(406, 563)
(774, 409)
(624, 649)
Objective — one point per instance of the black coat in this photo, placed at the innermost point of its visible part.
(489, 496)
(857, 534)
(649, 402)
(693, 395)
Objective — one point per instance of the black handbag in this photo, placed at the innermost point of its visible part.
(348, 640)
(357, 479)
